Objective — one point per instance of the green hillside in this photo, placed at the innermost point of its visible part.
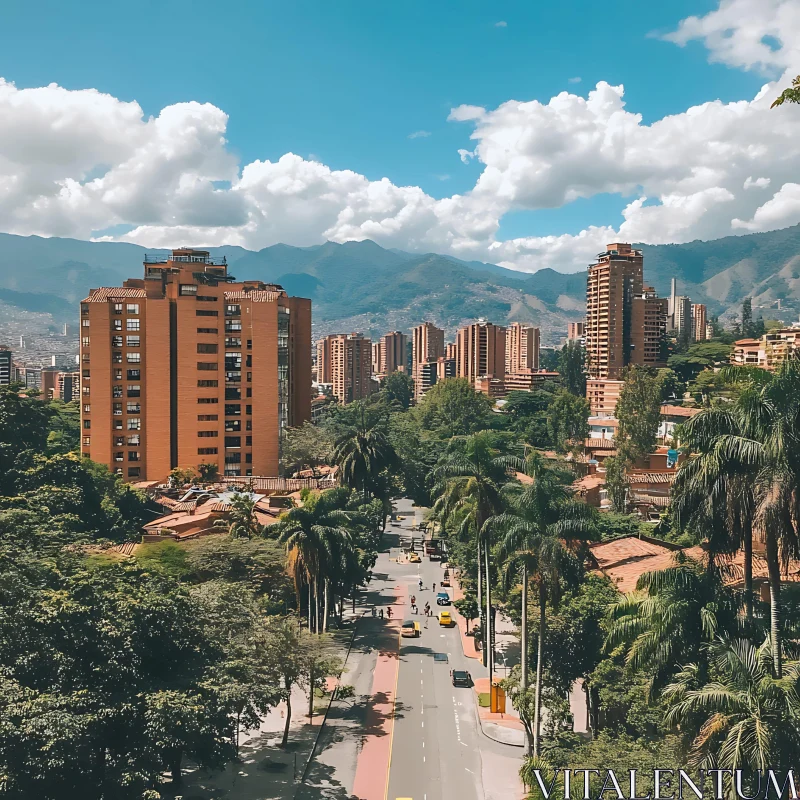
(362, 286)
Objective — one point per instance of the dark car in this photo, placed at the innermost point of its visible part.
(442, 599)
(461, 678)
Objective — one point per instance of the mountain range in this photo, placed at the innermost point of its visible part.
(360, 286)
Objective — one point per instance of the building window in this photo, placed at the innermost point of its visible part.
(119, 441)
(116, 409)
(208, 399)
(116, 341)
(133, 358)
(248, 458)
(233, 425)
(249, 392)
(85, 390)
(249, 377)
(85, 358)
(232, 410)
(117, 308)
(116, 358)
(233, 441)
(116, 324)
(233, 361)
(87, 441)
(206, 298)
(133, 374)
(206, 451)
(134, 472)
(133, 455)
(233, 377)
(85, 323)
(248, 424)
(84, 308)
(134, 408)
(119, 456)
(86, 408)
(207, 348)
(134, 439)
(233, 325)
(207, 366)
(131, 324)
(207, 384)
(188, 289)
(117, 425)
(248, 441)
(207, 417)
(233, 393)
(85, 374)
(208, 434)
(132, 341)
(134, 390)
(204, 312)
(249, 410)
(134, 424)
(233, 310)
(87, 423)
(232, 341)
(215, 331)
(249, 361)
(84, 341)
(116, 391)
(117, 374)
(132, 308)
(249, 344)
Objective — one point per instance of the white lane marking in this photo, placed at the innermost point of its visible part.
(423, 724)
(458, 722)
(423, 759)
(423, 745)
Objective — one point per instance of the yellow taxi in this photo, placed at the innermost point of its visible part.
(411, 629)
(445, 620)
(414, 558)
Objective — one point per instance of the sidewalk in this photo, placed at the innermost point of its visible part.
(503, 728)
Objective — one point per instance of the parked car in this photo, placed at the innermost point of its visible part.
(445, 620)
(411, 629)
(446, 578)
(442, 599)
(461, 678)
(414, 558)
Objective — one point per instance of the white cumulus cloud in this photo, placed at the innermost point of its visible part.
(419, 135)
(75, 162)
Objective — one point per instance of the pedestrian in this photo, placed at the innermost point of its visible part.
(373, 611)
(420, 584)
(433, 587)
(413, 600)
(389, 612)
(380, 613)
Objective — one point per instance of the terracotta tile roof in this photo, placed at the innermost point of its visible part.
(600, 444)
(625, 560)
(660, 501)
(107, 292)
(256, 295)
(733, 567)
(589, 482)
(678, 411)
(651, 477)
(604, 422)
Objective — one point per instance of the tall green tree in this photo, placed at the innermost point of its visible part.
(453, 408)
(639, 413)
(568, 421)
(398, 388)
(571, 365)
(541, 529)
(242, 520)
(744, 717)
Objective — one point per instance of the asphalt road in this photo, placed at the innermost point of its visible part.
(436, 744)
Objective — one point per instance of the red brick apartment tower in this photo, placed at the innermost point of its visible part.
(344, 360)
(427, 347)
(187, 366)
(481, 351)
(522, 348)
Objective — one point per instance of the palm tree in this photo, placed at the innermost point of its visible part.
(469, 478)
(363, 454)
(241, 521)
(757, 439)
(541, 530)
(749, 717)
(314, 535)
(669, 617)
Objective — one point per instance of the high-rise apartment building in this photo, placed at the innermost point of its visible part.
(344, 360)
(682, 317)
(522, 348)
(699, 323)
(427, 347)
(187, 367)
(68, 386)
(625, 322)
(575, 331)
(481, 351)
(451, 351)
(6, 366)
(390, 353)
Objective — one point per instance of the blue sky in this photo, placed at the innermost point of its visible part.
(348, 83)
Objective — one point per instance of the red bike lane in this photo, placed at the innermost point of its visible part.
(372, 770)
